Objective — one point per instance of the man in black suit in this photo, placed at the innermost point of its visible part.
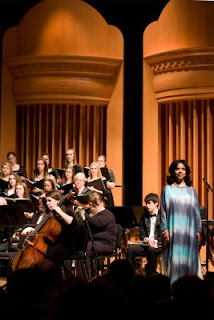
(150, 236)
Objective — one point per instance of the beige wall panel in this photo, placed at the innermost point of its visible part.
(61, 27)
(209, 160)
(61, 89)
(171, 86)
(8, 118)
(114, 139)
(179, 49)
(189, 132)
(8, 109)
(182, 24)
(195, 164)
(171, 133)
(64, 52)
(151, 161)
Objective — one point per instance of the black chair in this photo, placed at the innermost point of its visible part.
(106, 259)
(75, 264)
(11, 217)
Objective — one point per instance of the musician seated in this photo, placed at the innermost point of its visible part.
(64, 245)
(61, 241)
(150, 233)
(103, 229)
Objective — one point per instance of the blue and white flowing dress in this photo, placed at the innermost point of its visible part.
(180, 215)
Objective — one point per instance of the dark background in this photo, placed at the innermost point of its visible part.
(131, 17)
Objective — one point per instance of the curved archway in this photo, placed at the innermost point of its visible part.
(178, 72)
(62, 85)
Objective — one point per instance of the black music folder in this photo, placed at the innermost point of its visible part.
(54, 173)
(6, 195)
(66, 188)
(35, 202)
(86, 171)
(97, 183)
(105, 173)
(77, 168)
(35, 184)
(60, 171)
(84, 199)
(3, 185)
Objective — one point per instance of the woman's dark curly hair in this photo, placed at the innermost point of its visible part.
(171, 178)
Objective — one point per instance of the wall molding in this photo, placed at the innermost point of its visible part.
(63, 78)
(182, 60)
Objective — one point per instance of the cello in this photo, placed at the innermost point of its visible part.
(36, 244)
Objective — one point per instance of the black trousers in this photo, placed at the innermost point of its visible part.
(99, 248)
(151, 254)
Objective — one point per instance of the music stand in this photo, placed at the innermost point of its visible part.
(207, 226)
(12, 216)
(124, 216)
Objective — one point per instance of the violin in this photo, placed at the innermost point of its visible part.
(37, 242)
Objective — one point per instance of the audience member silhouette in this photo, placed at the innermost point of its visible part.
(94, 299)
(3, 303)
(23, 291)
(121, 273)
(41, 294)
(50, 284)
(191, 296)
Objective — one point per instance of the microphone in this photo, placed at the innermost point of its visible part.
(208, 186)
(81, 212)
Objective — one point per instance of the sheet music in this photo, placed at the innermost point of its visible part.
(141, 243)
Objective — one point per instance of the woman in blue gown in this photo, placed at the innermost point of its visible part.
(180, 223)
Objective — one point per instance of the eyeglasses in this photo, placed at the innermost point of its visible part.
(92, 205)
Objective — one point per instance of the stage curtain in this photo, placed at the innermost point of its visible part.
(54, 128)
(187, 132)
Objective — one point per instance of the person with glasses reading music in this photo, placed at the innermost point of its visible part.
(103, 228)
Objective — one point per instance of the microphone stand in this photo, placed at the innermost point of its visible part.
(82, 214)
(207, 223)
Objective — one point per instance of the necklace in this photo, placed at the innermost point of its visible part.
(181, 185)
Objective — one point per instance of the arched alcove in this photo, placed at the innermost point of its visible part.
(178, 100)
(62, 86)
